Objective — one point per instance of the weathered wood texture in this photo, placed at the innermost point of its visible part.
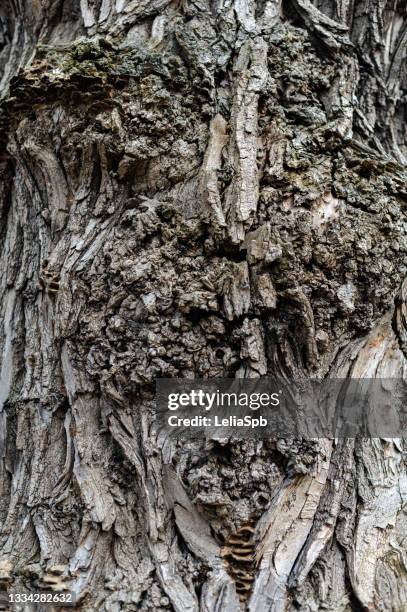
(198, 188)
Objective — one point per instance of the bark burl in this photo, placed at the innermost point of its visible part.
(199, 188)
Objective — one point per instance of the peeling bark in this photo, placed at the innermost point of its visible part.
(209, 189)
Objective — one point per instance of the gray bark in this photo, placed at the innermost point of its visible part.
(208, 188)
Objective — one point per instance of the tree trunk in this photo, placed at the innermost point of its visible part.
(199, 188)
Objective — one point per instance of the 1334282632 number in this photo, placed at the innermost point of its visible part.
(39, 598)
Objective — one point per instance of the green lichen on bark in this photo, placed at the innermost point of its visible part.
(197, 189)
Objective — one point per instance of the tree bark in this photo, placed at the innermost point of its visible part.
(199, 188)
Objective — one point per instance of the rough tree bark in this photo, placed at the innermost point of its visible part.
(199, 188)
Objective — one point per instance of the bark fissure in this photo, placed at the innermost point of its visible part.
(198, 189)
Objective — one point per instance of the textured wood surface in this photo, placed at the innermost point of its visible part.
(208, 188)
